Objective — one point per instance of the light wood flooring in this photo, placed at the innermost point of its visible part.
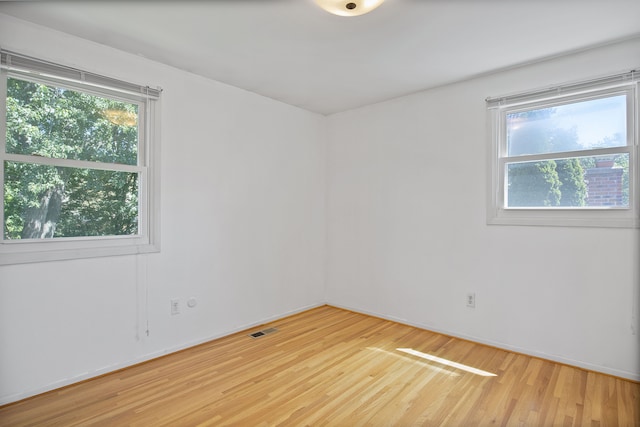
(331, 367)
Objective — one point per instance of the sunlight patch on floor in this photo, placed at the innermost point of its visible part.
(446, 362)
(426, 365)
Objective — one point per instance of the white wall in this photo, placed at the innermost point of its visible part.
(243, 231)
(408, 238)
(244, 186)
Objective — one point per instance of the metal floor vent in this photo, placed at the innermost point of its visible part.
(263, 332)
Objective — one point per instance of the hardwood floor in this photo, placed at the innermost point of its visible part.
(333, 367)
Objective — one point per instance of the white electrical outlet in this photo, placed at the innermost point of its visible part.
(471, 300)
(175, 306)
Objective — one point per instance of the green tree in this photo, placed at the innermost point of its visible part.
(534, 184)
(622, 161)
(43, 201)
(574, 189)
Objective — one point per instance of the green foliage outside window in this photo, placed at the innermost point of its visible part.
(534, 184)
(45, 201)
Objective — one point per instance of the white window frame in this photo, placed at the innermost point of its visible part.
(147, 240)
(499, 107)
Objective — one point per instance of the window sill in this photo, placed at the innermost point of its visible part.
(39, 251)
(565, 218)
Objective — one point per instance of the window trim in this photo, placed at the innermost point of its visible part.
(499, 107)
(148, 165)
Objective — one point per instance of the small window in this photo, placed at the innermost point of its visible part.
(566, 156)
(77, 163)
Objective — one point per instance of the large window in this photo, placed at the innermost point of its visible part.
(566, 155)
(77, 163)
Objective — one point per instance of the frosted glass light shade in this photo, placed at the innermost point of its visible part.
(349, 7)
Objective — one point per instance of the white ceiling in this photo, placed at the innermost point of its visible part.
(293, 51)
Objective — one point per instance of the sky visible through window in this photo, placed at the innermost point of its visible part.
(595, 123)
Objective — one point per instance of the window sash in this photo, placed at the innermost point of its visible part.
(504, 194)
(141, 237)
(143, 107)
(628, 91)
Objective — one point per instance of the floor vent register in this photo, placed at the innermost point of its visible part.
(263, 332)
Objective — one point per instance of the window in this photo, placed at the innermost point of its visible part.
(566, 155)
(78, 163)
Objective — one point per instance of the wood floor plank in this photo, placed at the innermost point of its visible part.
(332, 367)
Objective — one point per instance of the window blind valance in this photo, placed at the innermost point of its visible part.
(620, 79)
(22, 64)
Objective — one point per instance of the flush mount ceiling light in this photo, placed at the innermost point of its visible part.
(349, 7)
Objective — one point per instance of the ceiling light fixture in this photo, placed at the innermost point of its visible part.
(349, 7)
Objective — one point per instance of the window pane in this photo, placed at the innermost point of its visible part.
(61, 123)
(592, 182)
(597, 123)
(47, 201)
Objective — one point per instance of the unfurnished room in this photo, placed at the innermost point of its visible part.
(320, 213)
